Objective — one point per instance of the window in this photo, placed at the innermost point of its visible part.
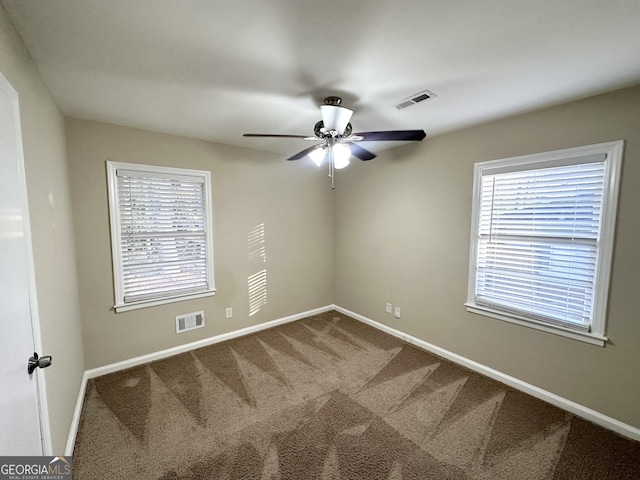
(161, 234)
(542, 239)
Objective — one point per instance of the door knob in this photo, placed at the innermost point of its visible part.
(35, 362)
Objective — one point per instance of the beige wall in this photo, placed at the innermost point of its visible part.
(292, 199)
(402, 236)
(52, 231)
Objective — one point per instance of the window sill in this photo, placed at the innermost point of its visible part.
(125, 307)
(592, 338)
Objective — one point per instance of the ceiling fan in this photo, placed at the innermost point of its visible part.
(337, 142)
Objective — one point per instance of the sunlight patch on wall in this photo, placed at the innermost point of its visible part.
(257, 248)
(257, 282)
(257, 291)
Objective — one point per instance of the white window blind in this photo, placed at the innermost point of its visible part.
(162, 234)
(542, 234)
(538, 242)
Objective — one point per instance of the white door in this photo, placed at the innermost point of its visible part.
(20, 431)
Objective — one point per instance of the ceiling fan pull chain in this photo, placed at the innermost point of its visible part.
(331, 169)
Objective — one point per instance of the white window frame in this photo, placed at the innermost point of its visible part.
(114, 217)
(613, 161)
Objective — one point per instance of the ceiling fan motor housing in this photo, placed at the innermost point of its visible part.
(321, 132)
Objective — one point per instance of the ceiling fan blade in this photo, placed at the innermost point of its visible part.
(304, 152)
(361, 153)
(391, 135)
(275, 135)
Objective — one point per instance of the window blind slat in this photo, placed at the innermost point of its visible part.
(583, 161)
(140, 176)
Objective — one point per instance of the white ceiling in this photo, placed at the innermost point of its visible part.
(214, 69)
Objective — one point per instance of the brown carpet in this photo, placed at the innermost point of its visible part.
(328, 397)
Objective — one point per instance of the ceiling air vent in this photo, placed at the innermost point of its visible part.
(415, 98)
(189, 321)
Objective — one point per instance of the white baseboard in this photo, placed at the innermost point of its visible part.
(134, 362)
(169, 352)
(561, 402)
(75, 420)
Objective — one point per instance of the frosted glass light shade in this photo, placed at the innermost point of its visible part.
(317, 155)
(335, 118)
(341, 154)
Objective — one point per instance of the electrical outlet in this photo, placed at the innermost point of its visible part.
(228, 312)
(389, 307)
(397, 312)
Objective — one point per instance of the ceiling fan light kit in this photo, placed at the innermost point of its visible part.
(317, 155)
(335, 118)
(338, 143)
(341, 154)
